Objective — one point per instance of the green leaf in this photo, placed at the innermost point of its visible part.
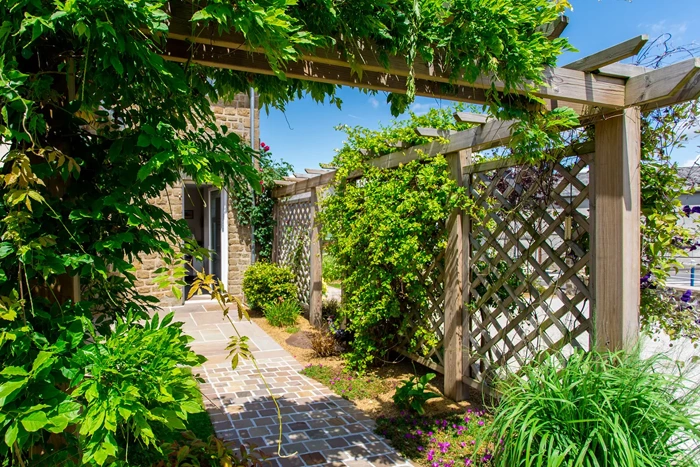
(5, 249)
(114, 60)
(11, 434)
(9, 390)
(144, 141)
(35, 421)
(42, 360)
(14, 371)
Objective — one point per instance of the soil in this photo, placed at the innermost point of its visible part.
(393, 372)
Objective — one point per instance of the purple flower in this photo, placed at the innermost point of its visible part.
(687, 210)
(420, 448)
(467, 462)
(695, 210)
(431, 454)
(481, 423)
(444, 447)
(687, 296)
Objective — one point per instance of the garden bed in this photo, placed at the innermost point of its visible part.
(373, 391)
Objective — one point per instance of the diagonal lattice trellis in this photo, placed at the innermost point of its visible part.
(293, 240)
(529, 263)
(425, 324)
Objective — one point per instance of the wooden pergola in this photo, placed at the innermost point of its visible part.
(602, 91)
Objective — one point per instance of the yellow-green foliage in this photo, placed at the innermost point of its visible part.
(387, 232)
(266, 283)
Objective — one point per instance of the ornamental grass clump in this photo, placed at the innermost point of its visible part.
(598, 409)
(283, 313)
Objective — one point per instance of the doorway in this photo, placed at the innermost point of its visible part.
(204, 210)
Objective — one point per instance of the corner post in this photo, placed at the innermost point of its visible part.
(454, 286)
(616, 239)
(316, 267)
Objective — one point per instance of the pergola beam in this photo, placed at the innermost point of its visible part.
(689, 92)
(613, 54)
(469, 117)
(661, 84)
(316, 171)
(433, 132)
(623, 70)
(494, 133)
(240, 60)
(228, 50)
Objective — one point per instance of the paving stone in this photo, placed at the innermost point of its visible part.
(320, 427)
(388, 460)
(298, 426)
(318, 424)
(358, 463)
(337, 431)
(316, 445)
(264, 421)
(294, 461)
(337, 442)
(356, 452)
(292, 448)
(355, 428)
(314, 458)
(297, 436)
(377, 448)
(316, 434)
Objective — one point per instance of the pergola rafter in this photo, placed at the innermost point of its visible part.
(673, 84)
(188, 42)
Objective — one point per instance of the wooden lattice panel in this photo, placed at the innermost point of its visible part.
(293, 242)
(529, 262)
(429, 316)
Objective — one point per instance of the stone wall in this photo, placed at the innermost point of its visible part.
(170, 200)
(236, 116)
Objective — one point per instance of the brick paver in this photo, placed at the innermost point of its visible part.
(318, 427)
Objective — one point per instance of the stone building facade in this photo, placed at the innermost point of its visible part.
(186, 200)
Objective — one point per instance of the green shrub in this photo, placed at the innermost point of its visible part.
(331, 271)
(413, 394)
(597, 410)
(265, 283)
(282, 313)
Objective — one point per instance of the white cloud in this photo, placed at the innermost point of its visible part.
(691, 162)
(662, 27)
(421, 109)
(373, 102)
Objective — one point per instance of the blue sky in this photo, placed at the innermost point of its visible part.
(305, 136)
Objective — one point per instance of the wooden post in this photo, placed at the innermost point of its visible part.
(454, 283)
(316, 267)
(616, 239)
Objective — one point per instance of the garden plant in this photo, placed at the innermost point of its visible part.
(266, 284)
(597, 409)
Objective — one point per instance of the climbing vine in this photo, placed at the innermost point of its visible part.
(387, 231)
(255, 208)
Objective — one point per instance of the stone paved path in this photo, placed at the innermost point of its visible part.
(319, 428)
